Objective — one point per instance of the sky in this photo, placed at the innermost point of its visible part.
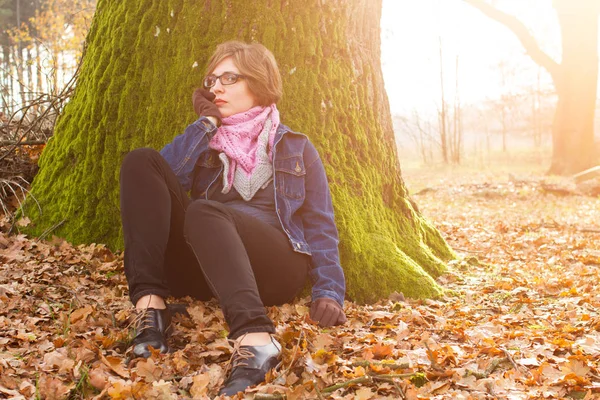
(411, 35)
(412, 31)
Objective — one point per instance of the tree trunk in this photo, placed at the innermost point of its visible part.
(11, 81)
(504, 128)
(443, 124)
(457, 123)
(576, 84)
(536, 106)
(5, 79)
(38, 68)
(142, 63)
(18, 65)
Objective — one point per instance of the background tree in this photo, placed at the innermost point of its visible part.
(15, 18)
(58, 29)
(456, 135)
(6, 14)
(143, 60)
(575, 78)
(41, 43)
(421, 133)
(443, 113)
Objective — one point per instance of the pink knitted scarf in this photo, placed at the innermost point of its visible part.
(237, 137)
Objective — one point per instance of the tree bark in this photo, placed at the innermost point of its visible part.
(576, 84)
(5, 79)
(443, 116)
(38, 68)
(575, 78)
(29, 80)
(17, 54)
(143, 60)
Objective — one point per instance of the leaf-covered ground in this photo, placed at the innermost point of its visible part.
(520, 319)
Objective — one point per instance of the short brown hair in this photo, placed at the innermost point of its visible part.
(255, 62)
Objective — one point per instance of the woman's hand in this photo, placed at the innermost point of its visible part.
(327, 312)
(204, 106)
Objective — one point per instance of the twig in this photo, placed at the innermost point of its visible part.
(370, 363)
(489, 370)
(353, 352)
(431, 356)
(512, 361)
(393, 376)
(23, 143)
(53, 227)
(319, 394)
(476, 374)
(333, 388)
(8, 183)
(393, 382)
(399, 388)
(269, 396)
(494, 365)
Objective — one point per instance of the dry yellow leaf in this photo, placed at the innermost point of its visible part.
(200, 385)
(81, 313)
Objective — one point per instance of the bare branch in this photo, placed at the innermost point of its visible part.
(55, 103)
(520, 30)
(22, 143)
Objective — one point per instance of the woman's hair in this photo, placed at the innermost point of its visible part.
(257, 64)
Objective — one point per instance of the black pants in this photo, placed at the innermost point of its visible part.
(179, 247)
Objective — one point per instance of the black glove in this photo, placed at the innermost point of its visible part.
(204, 106)
(327, 312)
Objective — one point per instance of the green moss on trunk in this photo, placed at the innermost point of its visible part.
(143, 60)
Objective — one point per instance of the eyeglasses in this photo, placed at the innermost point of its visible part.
(226, 78)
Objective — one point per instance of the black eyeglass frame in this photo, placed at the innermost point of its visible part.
(226, 73)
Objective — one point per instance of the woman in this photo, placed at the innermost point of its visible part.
(259, 221)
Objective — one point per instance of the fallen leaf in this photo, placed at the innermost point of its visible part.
(81, 313)
(200, 385)
(23, 222)
(59, 359)
(148, 370)
(364, 393)
(382, 351)
(98, 378)
(115, 364)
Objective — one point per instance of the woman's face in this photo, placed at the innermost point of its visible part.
(235, 98)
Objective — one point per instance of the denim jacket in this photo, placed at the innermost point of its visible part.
(302, 197)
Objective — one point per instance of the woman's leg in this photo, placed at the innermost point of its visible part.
(158, 261)
(153, 205)
(247, 263)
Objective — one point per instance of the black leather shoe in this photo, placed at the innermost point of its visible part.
(152, 329)
(250, 364)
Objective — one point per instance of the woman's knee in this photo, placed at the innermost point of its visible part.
(198, 211)
(138, 157)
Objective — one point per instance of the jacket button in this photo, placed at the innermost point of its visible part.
(298, 245)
